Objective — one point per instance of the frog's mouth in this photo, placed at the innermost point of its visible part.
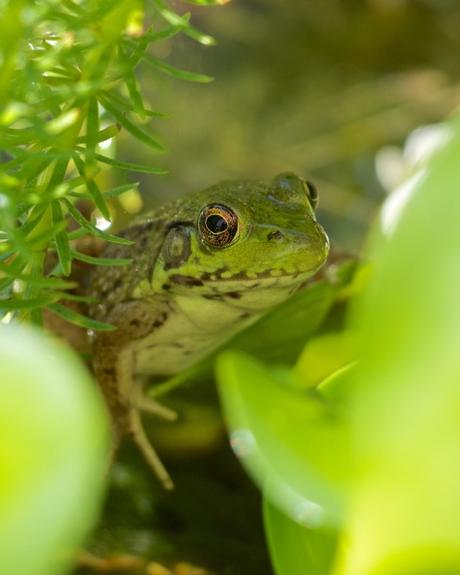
(251, 295)
(223, 285)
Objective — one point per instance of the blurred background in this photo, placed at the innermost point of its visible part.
(327, 89)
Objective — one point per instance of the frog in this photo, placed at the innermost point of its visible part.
(202, 268)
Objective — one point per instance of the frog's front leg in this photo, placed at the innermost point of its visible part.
(137, 432)
(114, 363)
(131, 392)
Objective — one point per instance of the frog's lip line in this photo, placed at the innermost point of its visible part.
(244, 277)
(263, 279)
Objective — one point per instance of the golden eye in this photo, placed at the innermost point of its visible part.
(218, 225)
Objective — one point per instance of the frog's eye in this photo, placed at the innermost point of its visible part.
(312, 194)
(218, 225)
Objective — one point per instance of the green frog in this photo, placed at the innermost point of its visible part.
(202, 269)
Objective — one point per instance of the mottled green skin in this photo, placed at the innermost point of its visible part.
(181, 298)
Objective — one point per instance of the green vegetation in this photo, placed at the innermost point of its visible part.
(53, 453)
(68, 85)
(371, 455)
(342, 403)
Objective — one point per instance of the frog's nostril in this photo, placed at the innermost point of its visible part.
(276, 235)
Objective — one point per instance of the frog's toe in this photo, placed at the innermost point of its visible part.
(140, 438)
(148, 405)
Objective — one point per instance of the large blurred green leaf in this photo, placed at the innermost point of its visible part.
(296, 549)
(405, 394)
(53, 453)
(291, 443)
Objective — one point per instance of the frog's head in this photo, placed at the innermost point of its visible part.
(244, 242)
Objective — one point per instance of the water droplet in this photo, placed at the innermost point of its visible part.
(243, 442)
(102, 223)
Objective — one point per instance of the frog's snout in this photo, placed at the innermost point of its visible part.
(314, 247)
(323, 241)
(305, 250)
(315, 240)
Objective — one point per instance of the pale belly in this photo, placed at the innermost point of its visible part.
(196, 326)
(187, 336)
(167, 359)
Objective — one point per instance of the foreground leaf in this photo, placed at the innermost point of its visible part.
(405, 393)
(296, 549)
(53, 453)
(289, 443)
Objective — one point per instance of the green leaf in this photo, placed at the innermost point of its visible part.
(112, 238)
(64, 296)
(324, 355)
(102, 135)
(38, 240)
(79, 319)
(168, 32)
(132, 128)
(78, 234)
(119, 190)
(53, 453)
(182, 20)
(25, 304)
(292, 445)
(93, 190)
(92, 229)
(294, 548)
(52, 283)
(92, 130)
(176, 72)
(134, 93)
(404, 395)
(127, 106)
(100, 261)
(58, 173)
(61, 239)
(62, 122)
(14, 232)
(130, 166)
(73, 7)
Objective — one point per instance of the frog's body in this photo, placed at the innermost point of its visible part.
(203, 268)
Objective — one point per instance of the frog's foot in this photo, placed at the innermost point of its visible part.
(148, 405)
(137, 432)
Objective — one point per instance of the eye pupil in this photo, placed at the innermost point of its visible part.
(216, 224)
